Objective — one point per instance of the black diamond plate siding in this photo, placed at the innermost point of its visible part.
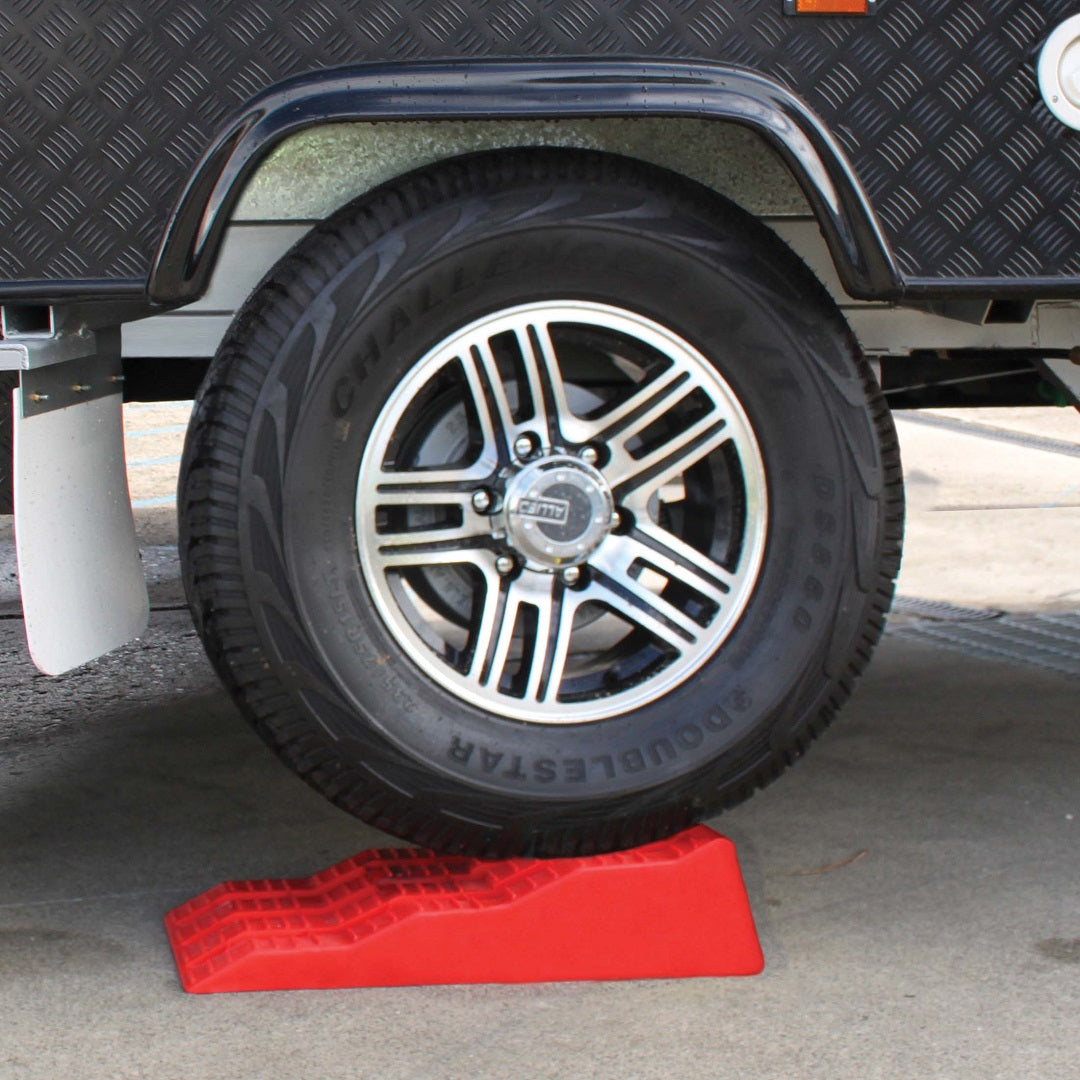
(107, 104)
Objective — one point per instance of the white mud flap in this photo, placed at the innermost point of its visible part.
(83, 588)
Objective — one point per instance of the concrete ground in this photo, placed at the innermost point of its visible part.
(916, 880)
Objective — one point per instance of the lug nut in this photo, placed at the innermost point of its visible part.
(524, 446)
(589, 454)
(571, 575)
(481, 500)
(505, 565)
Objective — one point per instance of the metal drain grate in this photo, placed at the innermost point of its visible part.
(941, 610)
(986, 431)
(1051, 642)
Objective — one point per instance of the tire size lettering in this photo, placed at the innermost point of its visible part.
(825, 522)
(718, 720)
(826, 525)
(741, 701)
(342, 397)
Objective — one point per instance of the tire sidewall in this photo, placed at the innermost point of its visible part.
(787, 369)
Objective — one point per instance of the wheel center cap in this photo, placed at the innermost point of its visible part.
(557, 512)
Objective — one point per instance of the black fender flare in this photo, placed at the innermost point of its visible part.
(519, 89)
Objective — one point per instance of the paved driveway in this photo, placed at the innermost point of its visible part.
(916, 879)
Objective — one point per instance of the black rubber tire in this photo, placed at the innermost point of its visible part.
(267, 538)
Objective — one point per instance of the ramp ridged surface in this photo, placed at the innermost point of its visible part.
(670, 909)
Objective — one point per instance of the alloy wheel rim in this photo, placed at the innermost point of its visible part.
(530, 505)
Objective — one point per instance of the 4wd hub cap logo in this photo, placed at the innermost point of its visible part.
(558, 512)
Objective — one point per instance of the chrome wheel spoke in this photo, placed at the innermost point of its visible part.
(669, 463)
(648, 406)
(419, 485)
(550, 666)
(543, 651)
(638, 611)
(490, 400)
(434, 553)
(493, 645)
(546, 388)
(649, 403)
(541, 394)
(640, 604)
(666, 461)
(404, 538)
(676, 560)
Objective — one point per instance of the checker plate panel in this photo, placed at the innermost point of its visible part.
(108, 104)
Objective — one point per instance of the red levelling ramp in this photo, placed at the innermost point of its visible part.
(672, 909)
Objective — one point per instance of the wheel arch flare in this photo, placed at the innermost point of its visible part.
(518, 90)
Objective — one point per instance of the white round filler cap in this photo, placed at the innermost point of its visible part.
(1059, 72)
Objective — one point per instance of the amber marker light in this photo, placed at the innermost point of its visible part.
(831, 7)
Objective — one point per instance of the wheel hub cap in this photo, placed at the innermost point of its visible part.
(557, 512)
